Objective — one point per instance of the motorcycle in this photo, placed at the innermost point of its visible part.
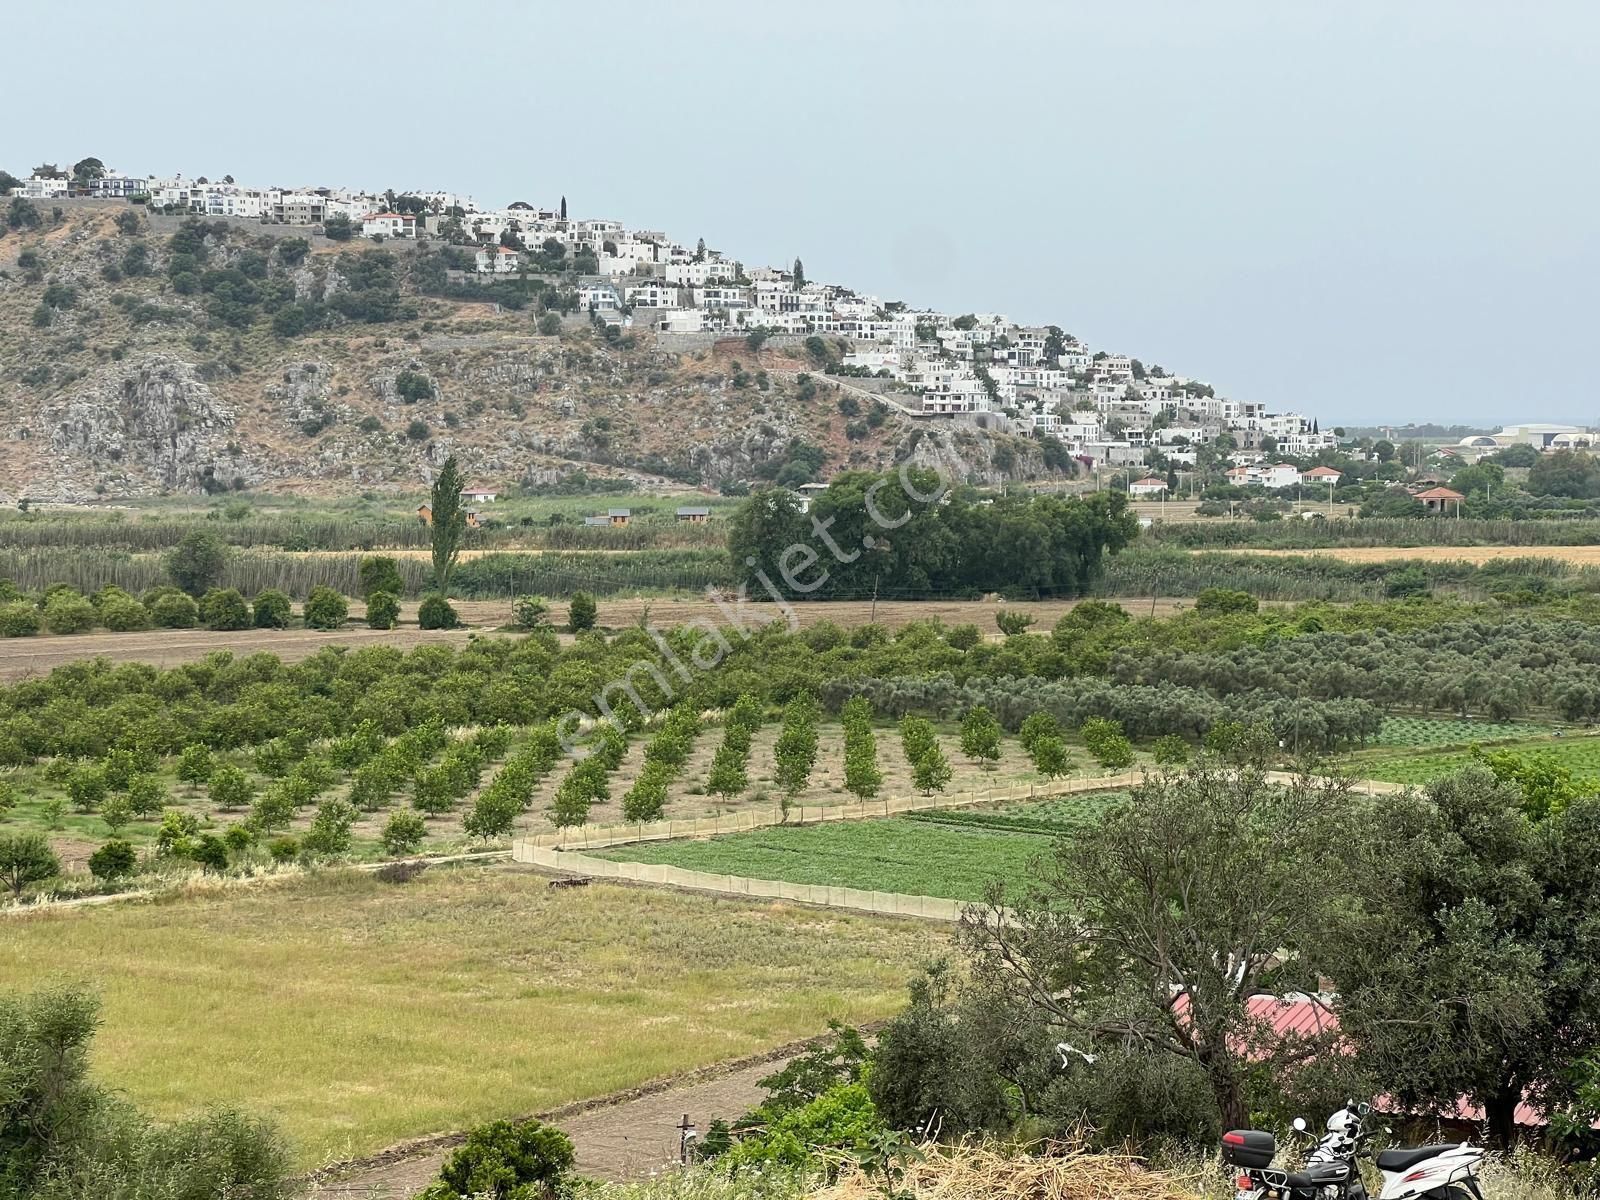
(1437, 1172)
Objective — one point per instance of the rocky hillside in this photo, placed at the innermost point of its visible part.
(143, 355)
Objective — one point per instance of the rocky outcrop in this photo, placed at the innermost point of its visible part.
(151, 419)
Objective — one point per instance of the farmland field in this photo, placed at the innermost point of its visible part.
(1444, 731)
(81, 832)
(1581, 756)
(357, 1013)
(951, 853)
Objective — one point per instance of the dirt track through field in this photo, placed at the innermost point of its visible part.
(623, 1140)
(22, 658)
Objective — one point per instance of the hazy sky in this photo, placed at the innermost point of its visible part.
(1368, 211)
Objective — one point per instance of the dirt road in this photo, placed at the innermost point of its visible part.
(624, 1139)
(22, 658)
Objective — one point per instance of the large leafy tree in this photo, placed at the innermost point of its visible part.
(26, 858)
(449, 522)
(1153, 928)
(195, 563)
(1474, 967)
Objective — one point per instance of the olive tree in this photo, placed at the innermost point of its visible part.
(1154, 926)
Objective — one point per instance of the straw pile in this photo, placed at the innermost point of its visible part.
(1058, 1172)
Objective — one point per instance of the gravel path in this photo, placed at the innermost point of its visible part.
(619, 1139)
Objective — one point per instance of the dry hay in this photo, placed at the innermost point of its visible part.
(1058, 1171)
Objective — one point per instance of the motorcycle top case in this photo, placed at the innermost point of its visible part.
(1248, 1148)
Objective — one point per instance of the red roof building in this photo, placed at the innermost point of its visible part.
(1439, 498)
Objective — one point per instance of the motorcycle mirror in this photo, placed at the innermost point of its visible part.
(1299, 1124)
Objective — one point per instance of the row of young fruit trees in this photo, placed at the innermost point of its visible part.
(440, 772)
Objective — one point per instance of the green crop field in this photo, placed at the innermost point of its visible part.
(1443, 731)
(357, 1013)
(953, 853)
(1581, 756)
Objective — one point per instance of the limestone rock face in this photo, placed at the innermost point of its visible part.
(152, 419)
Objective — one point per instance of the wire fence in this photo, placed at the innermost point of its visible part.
(598, 837)
(932, 908)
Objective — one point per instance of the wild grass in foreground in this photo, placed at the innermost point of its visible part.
(357, 1013)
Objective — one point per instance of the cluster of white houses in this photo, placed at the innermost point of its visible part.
(1106, 408)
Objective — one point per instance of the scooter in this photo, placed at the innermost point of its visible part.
(1447, 1171)
(1438, 1172)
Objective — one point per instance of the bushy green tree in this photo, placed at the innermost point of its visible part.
(87, 787)
(18, 619)
(584, 785)
(383, 610)
(120, 612)
(380, 573)
(325, 609)
(931, 772)
(147, 795)
(116, 812)
(175, 611)
(113, 860)
(68, 612)
(229, 788)
(1106, 741)
(273, 809)
(1050, 757)
(581, 612)
(329, 835)
(272, 609)
(26, 858)
(506, 1160)
(795, 751)
(404, 831)
(980, 736)
(529, 612)
(195, 763)
(1470, 963)
(728, 777)
(1012, 622)
(1170, 750)
(195, 563)
(646, 800)
(436, 612)
(224, 608)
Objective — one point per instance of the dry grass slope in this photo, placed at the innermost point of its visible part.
(358, 1013)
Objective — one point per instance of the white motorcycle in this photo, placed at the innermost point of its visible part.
(1439, 1172)
(1448, 1171)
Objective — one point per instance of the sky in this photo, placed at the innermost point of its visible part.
(1370, 211)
